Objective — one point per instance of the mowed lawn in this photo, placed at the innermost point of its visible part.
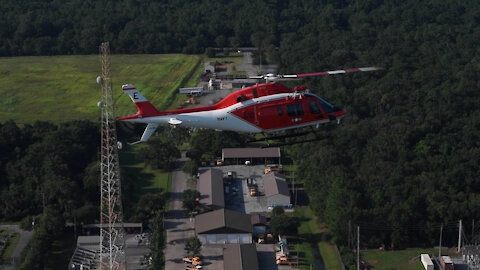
(407, 259)
(310, 231)
(63, 88)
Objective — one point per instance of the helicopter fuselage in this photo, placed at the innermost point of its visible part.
(263, 108)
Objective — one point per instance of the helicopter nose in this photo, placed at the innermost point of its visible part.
(338, 112)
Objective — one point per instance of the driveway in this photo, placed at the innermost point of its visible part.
(179, 227)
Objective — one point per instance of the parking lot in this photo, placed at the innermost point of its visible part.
(237, 194)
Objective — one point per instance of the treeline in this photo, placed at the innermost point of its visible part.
(78, 27)
(406, 159)
(45, 165)
(46, 181)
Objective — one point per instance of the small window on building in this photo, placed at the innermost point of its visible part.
(313, 107)
(280, 111)
(255, 93)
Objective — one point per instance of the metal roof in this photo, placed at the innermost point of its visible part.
(240, 257)
(223, 221)
(274, 184)
(210, 186)
(251, 152)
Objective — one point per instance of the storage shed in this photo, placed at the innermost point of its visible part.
(210, 186)
(254, 156)
(240, 257)
(276, 190)
(223, 226)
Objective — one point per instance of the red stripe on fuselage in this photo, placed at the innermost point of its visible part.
(245, 94)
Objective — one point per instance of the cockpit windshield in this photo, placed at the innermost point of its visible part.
(327, 107)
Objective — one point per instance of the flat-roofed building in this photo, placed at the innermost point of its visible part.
(86, 254)
(210, 186)
(276, 189)
(252, 156)
(240, 257)
(223, 226)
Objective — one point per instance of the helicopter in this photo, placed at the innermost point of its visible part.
(270, 108)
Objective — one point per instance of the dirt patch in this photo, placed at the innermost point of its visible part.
(414, 259)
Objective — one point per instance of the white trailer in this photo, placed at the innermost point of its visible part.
(427, 262)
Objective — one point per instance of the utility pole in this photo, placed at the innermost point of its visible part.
(349, 233)
(459, 236)
(293, 176)
(440, 244)
(358, 247)
(473, 231)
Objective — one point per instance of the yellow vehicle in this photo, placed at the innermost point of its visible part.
(196, 261)
(192, 260)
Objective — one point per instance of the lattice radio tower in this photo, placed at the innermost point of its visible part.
(112, 240)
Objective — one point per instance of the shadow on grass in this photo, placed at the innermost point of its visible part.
(135, 184)
(61, 250)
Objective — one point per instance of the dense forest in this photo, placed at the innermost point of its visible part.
(406, 159)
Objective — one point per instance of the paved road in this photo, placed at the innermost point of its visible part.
(25, 237)
(178, 226)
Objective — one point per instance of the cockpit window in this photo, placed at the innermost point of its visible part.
(313, 107)
(327, 107)
(279, 111)
(294, 109)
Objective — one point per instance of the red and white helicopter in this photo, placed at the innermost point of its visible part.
(266, 108)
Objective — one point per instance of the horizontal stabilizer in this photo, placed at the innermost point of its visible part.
(149, 130)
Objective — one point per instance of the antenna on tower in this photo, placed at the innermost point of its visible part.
(112, 240)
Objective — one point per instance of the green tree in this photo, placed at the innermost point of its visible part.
(191, 200)
(277, 211)
(148, 206)
(193, 246)
(159, 154)
(283, 225)
(190, 167)
(157, 241)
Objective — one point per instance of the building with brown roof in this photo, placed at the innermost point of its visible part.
(238, 156)
(210, 186)
(223, 226)
(276, 189)
(240, 257)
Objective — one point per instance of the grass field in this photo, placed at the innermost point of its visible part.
(310, 231)
(62, 88)
(407, 259)
(12, 243)
(141, 179)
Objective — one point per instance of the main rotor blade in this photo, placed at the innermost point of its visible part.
(332, 72)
